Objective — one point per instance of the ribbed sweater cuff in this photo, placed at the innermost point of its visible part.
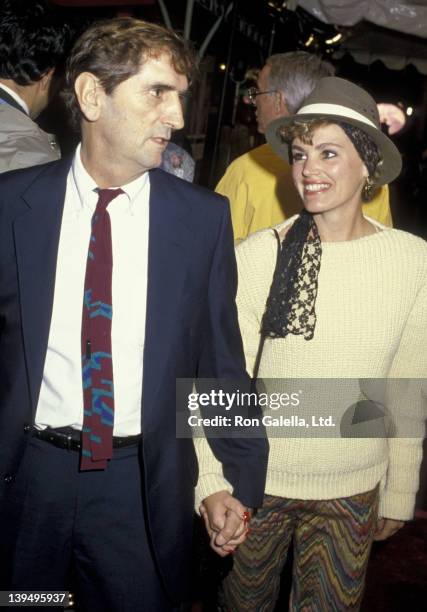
(397, 506)
(209, 484)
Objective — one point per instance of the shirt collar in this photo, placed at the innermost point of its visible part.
(16, 97)
(87, 188)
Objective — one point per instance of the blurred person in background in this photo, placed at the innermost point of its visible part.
(177, 161)
(34, 41)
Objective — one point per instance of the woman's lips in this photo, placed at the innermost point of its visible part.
(311, 189)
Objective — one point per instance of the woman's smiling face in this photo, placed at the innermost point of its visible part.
(328, 173)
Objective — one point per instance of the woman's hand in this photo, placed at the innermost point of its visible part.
(386, 528)
(226, 521)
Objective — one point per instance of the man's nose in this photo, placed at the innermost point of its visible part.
(174, 115)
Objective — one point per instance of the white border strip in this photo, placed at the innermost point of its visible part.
(335, 109)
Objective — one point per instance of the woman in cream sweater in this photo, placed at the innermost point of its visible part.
(345, 299)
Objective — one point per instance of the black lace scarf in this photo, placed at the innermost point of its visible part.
(290, 307)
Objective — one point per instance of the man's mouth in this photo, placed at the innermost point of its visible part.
(160, 141)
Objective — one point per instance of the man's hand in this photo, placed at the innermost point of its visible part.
(226, 521)
(386, 528)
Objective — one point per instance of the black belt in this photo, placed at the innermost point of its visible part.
(70, 439)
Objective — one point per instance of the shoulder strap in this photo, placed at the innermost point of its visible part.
(262, 336)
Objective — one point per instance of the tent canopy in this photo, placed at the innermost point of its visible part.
(398, 42)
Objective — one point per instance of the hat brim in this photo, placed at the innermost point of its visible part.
(391, 164)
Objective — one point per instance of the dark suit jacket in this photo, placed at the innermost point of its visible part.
(191, 329)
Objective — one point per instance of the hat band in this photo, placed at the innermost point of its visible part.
(335, 109)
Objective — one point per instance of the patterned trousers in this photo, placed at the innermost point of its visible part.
(331, 539)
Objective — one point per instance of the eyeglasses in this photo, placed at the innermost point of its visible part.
(253, 92)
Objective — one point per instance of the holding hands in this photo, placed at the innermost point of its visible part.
(226, 521)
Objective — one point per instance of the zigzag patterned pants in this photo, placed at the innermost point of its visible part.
(332, 540)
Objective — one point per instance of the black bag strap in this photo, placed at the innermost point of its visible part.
(262, 338)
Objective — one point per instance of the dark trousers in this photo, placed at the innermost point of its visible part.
(89, 525)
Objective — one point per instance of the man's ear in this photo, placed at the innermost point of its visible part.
(89, 93)
(280, 107)
(46, 79)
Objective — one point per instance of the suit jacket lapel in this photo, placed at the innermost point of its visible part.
(168, 254)
(36, 239)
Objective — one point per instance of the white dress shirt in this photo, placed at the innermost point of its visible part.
(61, 396)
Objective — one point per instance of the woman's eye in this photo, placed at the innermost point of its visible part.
(297, 156)
(328, 154)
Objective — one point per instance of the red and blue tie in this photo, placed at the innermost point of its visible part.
(97, 364)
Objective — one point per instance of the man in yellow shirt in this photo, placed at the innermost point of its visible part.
(259, 183)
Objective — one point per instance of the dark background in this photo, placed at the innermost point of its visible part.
(219, 127)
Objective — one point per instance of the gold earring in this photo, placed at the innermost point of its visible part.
(368, 189)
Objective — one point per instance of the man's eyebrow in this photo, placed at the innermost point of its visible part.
(165, 87)
(160, 85)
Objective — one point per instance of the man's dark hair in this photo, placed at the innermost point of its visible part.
(115, 50)
(33, 39)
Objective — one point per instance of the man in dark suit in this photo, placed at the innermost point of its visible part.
(94, 478)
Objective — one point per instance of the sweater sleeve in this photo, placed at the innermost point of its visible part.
(211, 478)
(240, 461)
(255, 264)
(408, 407)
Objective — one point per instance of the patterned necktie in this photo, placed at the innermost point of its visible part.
(97, 364)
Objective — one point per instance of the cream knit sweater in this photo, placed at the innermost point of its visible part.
(371, 323)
